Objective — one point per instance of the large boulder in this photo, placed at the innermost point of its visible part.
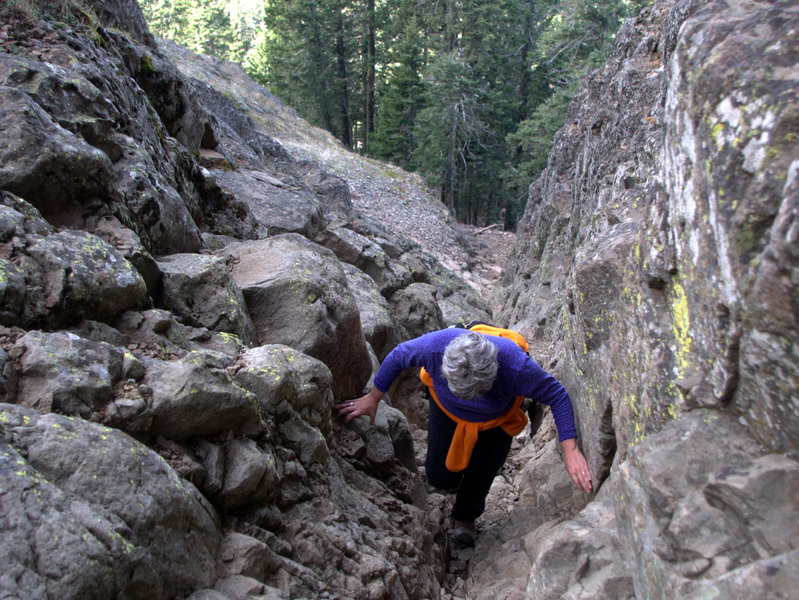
(277, 207)
(76, 274)
(687, 513)
(416, 310)
(66, 373)
(200, 289)
(374, 310)
(56, 278)
(297, 295)
(284, 378)
(195, 397)
(358, 250)
(88, 512)
(43, 162)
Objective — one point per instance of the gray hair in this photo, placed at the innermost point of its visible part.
(470, 365)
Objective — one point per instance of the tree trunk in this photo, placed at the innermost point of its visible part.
(525, 76)
(369, 83)
(341, 56)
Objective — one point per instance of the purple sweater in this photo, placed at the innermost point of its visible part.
(517, 375)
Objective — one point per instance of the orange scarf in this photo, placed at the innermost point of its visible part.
(466, 432)
(512, 422)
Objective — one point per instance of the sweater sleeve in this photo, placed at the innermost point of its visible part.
(412, 353)
(544, 388)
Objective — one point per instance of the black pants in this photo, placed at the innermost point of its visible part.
(472, 484)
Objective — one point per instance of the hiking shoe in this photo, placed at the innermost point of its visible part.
(465, 533)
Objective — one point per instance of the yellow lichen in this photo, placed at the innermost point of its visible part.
(681, 326)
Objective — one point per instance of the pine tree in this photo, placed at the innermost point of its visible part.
(400, 101)
(450, 127)
(213, 32)
(572, 38)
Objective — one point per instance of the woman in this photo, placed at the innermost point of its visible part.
(477, 382)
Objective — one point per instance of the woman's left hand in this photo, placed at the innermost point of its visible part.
(365, 405)
(577, 466)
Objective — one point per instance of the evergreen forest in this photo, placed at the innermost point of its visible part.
(468, 93)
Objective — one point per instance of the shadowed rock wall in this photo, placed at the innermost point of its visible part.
(658, 258)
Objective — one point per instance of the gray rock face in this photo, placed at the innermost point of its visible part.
(579, 559)
(696, 520)
(648, 257)
(113, 311)
(89, 512)
(66, 373)
(358, 250)
(57, 278)
(152, 201)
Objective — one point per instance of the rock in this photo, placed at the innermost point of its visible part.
(734, 211)
(357, 250)
(400, 434)
(598, 269)
(287, 381)
(65, 170)
(157, 332)
(294, 390)
(579, 558)
(8, 378)
(70, 98)
(200, 289)
(546, 485)
(128, 244)
(374, 310)
(685, 521)
(459, 301)
(276, 209)
(239, 587)
(123, 15)
(12, 292)
(207, 594)
(297, 295)
(251, 475)
(332, 191)
(241, 554)
(170, 95)
(195, 396)
(65, 373)
(666, 141)
(88, 511)
(81, 275)
(150, 198)
(238, 138)
(213, 461)
(770, 577)
(55, 279)
(19, 218)
(416, 310)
